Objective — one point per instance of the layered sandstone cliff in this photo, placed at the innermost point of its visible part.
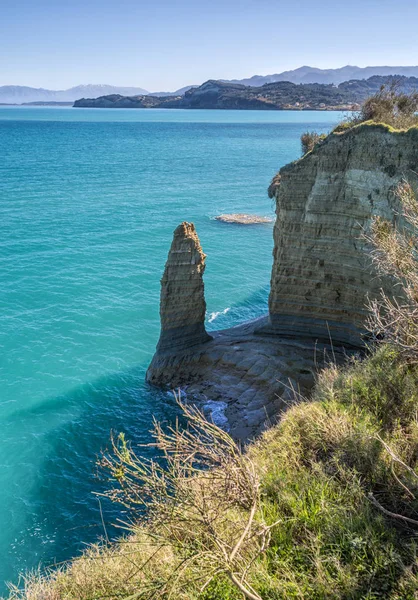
(322, 275)
(182, 302)
(321, 279)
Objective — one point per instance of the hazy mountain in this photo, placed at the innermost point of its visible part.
(18, 94)
(334, 76)
(179, 92)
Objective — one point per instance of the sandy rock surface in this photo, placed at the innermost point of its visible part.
(243, 219)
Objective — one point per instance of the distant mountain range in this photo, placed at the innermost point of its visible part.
(179, 92)
(19, 94)
(16, 94)
(333, 76)
(280, 95)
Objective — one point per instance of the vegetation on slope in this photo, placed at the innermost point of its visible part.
(310, 139)
(325, 477)
(390, 106)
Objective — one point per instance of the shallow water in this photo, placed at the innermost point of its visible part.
(89, 200)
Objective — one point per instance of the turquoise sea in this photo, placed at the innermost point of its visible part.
(89, 200)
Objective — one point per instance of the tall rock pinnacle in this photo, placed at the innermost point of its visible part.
(182, 304)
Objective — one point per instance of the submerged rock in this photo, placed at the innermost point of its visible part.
(243, 219)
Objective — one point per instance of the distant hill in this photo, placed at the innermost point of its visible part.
(360, 89)
(179, 92)
(18, 94)
(222, 95)
(334, 76)
(281, 95)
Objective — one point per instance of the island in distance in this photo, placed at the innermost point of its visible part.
(282, 95)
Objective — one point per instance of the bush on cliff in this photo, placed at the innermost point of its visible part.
(390, 106)
(337, 481)
(310, 139)
(394, 320)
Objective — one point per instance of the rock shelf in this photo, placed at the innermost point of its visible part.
(243, 219)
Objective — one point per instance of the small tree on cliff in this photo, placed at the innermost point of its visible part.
(395, 320)
(204, 501)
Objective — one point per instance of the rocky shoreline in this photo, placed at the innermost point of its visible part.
(321, 279)
(255, 376)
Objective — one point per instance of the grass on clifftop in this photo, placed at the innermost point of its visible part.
(329, 473)
(390, 106)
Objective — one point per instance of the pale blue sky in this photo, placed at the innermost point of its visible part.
(164, 45)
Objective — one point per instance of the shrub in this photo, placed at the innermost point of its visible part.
(310, 139)
(204, 501)
(274, 186)
(390, 106)
(394, 320)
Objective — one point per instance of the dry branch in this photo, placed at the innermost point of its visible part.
(202, 498)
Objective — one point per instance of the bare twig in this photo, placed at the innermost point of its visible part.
(389, 513)
(202, 499)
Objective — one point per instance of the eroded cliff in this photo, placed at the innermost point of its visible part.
(322, 276)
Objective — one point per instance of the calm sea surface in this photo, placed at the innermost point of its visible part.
(89, 200)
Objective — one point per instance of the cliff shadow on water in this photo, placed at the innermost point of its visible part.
(53, 507)
(52, 510)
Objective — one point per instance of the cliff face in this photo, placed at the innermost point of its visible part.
(321, 274)
(182, 303)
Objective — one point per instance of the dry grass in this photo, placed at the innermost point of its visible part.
(116, 570)
(394, 319)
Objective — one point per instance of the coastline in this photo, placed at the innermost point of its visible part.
(254, 376)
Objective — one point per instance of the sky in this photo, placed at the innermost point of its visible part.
(162, 45)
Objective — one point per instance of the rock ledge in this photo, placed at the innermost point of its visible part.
(243, 219)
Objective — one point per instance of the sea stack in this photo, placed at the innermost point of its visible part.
(182, 301)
